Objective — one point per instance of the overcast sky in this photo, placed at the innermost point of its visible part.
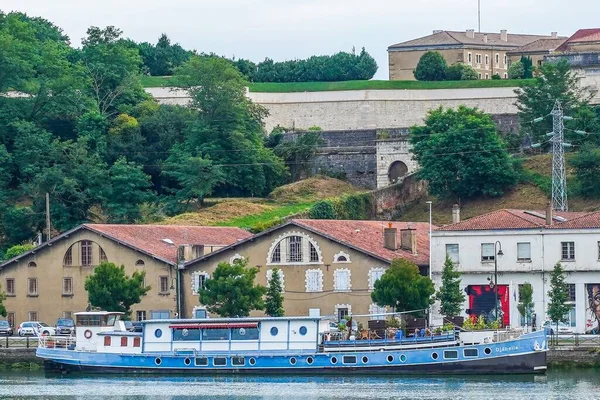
(287, 29)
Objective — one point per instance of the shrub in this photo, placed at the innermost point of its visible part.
(496, 77)
(322, 210)
(516, 70)
(18, 250)
(461, 72)
(432, 67)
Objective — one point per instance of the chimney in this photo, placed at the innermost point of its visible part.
(408, 240)
(485, 39)
(504, 35)
(554, 35)
(187, 252)
(549, 216)
(455, 214)
(470, 33)
(389, 238)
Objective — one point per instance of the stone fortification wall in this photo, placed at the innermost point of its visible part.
(362, 109)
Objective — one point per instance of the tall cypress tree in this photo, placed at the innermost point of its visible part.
(559, 295)
(449, 294)
(274, 300)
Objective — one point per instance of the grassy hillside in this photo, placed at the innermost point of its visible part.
(160, 81)
(533, 195)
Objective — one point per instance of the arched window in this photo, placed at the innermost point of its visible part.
(32, 264)
(68, 259)
(235, 258)
(341, 257)
(103, 257)
(140, 263)
(294, 248)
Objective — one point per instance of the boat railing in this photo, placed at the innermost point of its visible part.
(411, 340)
(59, 342)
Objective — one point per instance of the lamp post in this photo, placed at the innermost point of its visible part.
(430, 266)
(497, 253)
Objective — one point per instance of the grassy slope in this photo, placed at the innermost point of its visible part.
(159, 81)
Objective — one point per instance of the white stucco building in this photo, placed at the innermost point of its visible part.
(532, 243)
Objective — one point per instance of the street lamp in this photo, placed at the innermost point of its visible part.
(430, 266)
(497, 253)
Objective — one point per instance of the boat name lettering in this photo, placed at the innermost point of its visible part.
(506, 348)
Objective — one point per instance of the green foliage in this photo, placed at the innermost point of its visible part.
(299, 151)
(110, 289)
(527, 67)
(403, 288)
(161, 59)
(128, 190)
(449, 294)
(587, 170)
(461, 72)
(516, 70)
(274, 298)
(322, 210)
(496, 77)
(554, 81)
(341, 66)
(2, 307)
(231, 291)
(17, 250)
(461, 154)
(558, 295)
(526, 303)
(431, 67)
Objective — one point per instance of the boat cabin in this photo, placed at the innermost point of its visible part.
(91, 325)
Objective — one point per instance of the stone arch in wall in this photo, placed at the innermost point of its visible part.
(394, 160)
(397, 170)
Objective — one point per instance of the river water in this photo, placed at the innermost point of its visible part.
(569, 384)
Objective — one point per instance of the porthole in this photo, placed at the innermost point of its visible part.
(365, 359)
(309, 360)
(333, 360)
(402, 358)
(252, 361)
(157, 333)
(487, 351)
(187, 361)
(157, 361)
(293, 360)
(303, 330)
(434, 356)
(274, 331)
(390, 358)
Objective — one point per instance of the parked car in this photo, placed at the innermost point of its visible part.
(5, 328)
(28, 328)
(45, 329)
(65, 326)
(137, 327)
(563, 329)
(128, 325)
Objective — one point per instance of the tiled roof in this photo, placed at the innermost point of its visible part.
(524, 219)
(581, 36)
(367, 236)
(445, 38)
(540, 45)
(149, 238)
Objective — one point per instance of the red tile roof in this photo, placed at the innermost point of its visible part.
(525, 219)
(581, 36)
(367, 236)
(149, 238)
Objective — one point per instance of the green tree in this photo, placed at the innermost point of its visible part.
(461, 154)
(299, 151)
(555, 81)
(2, 307)
(322, 209)
(128, 189)
(587, 170)
(527, 67)
(461, 72)
(17, 250)
(449, 295)
(431, 67)
(231, 291)
(558, 295)
(403, 288)
(526, 304)
(274, 298)
(110, 289)
(516, 70)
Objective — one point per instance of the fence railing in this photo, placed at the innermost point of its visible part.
(17, 342)
(60, 342)
(574, 340)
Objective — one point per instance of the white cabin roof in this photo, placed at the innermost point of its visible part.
(99, 313)
(228, 320)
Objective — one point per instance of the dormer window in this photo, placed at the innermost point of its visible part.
(294, 248)
(341, 257)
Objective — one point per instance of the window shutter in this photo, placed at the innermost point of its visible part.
(523, 251)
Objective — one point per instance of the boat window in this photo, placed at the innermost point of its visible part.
(157, 333)
(365, 359)
(293, 360)
(186, 334)
(136, 342)
(215, 334)
(238, 361)
(110, 320)
(487, 351)
(303, 330)
(450, 354)
(349, 359)
(219, 361)
(107, 341)
(244, 334)
(123, 341)
(201, 362)
(88, 320)
(252, 361)
(434, 356)
(309, 360)
(471, 352)
(274, 331)
(390, 358)
(333, 360)
(402, 358)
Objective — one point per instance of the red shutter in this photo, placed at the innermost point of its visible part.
(136, 342)
(124, 341)
(106, 341)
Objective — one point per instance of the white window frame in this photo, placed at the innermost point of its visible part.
(373, 272)
(235, 257)
(281, 277)
(336, 258)
(497, 59)
(477, 58)
(282, 243)
(599, 250)
(487, 76)
(65, 280)
(375, 309)
(338, 306)
(485, 255)
(319, 277)
(487, 60)
(470, 57)
(505, 75)
(570, 251)
(196, 280)
(338, 284)
(505, 60)
(457, 260)
(523, 259)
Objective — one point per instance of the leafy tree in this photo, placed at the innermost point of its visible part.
(461, 72)
(299, 152)
(516, 70)
(110, 289)
(558, 295)
(3, 312)
(527, 67)
(461, 154)
(128, 189)
(274, 299)
(587, 169)
(322, 210)
(162, 58)
(431, 67)
(449, 294)
(17, 250)
(403, 288)
(555, 81)
(231, 291)
(526, 304)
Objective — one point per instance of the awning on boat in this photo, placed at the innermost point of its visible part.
(235, 325)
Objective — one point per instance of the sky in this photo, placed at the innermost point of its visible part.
(288, 29)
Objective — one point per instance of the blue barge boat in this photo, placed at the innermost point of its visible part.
(287, 345)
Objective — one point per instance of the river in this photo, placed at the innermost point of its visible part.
(567, 384)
